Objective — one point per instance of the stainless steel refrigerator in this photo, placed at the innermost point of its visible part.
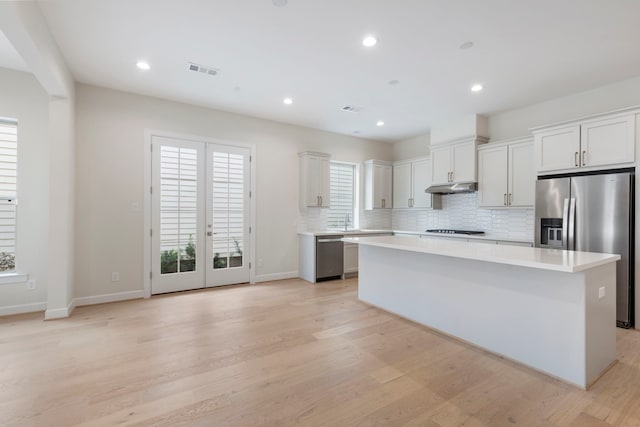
(591, 213)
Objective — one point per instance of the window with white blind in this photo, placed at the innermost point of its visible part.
(8, 194)
(342, 191)
(178, 207)
(228, 209)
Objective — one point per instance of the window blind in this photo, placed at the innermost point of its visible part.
(178, 208)
(8, 194)
(228, 209)
(342, 194)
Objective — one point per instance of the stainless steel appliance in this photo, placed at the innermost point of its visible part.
(592, 213)
(329, 257)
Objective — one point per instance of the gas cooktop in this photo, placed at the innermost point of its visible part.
(446, 231)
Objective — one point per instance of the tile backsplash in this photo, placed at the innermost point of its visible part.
(461, 211)
(313, 219)
(458, 211)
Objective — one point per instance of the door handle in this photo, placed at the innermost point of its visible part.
(575, 158)
(584, 158)
(572, 225)
(209, 233)
(565, 224)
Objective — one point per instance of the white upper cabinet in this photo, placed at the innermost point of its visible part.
(591, 144)
(378, 184)
(314, 180)
(558, 149)
(402, 185)
(455, 162)
(492, 176)
(608, 142)
(410, 179)
(506, 176)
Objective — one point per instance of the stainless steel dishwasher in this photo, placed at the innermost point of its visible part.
(329, 257)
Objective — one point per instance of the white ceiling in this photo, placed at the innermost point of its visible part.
(9, 58)
(525, 52)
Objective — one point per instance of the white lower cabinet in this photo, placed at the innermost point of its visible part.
(350, 258)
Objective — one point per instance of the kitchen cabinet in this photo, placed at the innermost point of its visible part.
(314, 180)
(378, 184)
(350, 258)
(453, 163)
(607, 140)
(506, 176)
(410, 179)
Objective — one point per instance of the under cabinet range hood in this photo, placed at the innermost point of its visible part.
(457, 188)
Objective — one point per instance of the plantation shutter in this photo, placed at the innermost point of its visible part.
(228, 209)
(342, 194)
(8, 194)
(178, 207)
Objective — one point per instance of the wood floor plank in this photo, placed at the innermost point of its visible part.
(282, 353)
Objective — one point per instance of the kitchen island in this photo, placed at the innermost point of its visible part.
(552, 310)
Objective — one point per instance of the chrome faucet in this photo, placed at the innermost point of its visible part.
(346, 221)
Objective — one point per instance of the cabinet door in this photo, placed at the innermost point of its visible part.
(522, 177)
(464, 162)
(608, 142)
(557, 149)
(421, 180)
(323, 184)
(440, 164)
(377, 190)
(311, 170)
(350, 258)
(492, 176)
(386, 186)
(401, 185)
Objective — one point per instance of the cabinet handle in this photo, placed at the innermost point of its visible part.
(505, 199)
(584, 158)
(409, 202)
(383, 203)
(321, 200)
(510, 199)
(453, 176)
(575, 158)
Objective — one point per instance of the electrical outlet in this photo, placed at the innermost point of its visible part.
(601, 292)
(31, 284)
(115, 276)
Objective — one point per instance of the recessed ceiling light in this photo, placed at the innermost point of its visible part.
(476, 87)
(369, 41)
(466, 45)
(280, 3)
(379, 123)
(393, 82)
(288, 101)
(356, 132)
(143, 65)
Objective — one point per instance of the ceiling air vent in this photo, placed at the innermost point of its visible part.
(351, 109)
(203, 69)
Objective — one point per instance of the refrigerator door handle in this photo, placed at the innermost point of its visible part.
(565, 224)
(572, 225)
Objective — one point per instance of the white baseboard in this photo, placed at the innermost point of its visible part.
(276, 276)
(60, 313)
(23, 308)
(104, 298)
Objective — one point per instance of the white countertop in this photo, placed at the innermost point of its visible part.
(342, 232)
(486, 236)
(545, 259)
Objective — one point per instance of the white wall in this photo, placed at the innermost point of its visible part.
(109, 179)
(418, 146)
(517, 122)
(24, 99)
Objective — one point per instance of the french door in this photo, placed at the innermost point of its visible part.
(200, 215)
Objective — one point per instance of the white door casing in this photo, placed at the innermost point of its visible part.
(233, 184)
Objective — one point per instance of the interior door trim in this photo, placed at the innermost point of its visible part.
(147, 208)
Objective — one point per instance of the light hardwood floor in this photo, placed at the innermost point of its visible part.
(281, 353)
